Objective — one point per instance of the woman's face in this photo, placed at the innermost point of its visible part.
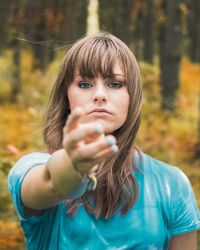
(103, 100)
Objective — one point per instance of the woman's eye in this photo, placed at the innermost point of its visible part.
(85, 85)
(115, 85)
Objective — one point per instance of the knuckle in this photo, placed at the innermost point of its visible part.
(73, 157)
(72, 141)
(71, 137)
(86, 131)
(102, 143)
(79, 153)
(90, 129)
(66, 144)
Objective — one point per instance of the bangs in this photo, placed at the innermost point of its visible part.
(96, 57)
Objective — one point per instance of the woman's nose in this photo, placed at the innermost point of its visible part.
(100, 99)
(100, 94)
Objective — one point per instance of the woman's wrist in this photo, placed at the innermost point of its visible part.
(64, 178)
(90, 178)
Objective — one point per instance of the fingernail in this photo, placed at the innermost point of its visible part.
(98, 127)
(111, 141)
(115, 148)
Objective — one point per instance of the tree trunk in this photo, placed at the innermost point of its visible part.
(138, 46)
(63, 21)
(16, 80)
(116, 17)
(170, 53)
(40, 49)
(149, 28)
(74, 19)
(5, 10)
(16, 23)
(194, 30)
(36, 32)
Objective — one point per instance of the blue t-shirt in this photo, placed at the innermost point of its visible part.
(166, 207)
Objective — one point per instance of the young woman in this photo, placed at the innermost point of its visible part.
(95, 189)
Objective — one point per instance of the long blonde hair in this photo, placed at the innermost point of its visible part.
(91, 56)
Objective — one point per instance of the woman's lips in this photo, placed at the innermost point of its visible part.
(99, 113)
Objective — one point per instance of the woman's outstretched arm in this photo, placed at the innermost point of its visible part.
(84, 147)
(186, 241)
(38, 189)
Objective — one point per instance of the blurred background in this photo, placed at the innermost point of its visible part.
(35, 35)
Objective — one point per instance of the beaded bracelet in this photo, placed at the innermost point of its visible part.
(91, 178)
(93, 182)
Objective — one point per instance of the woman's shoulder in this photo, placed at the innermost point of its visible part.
(26, 162)
(168, 182)
(33, 156)
(154, 168)
(15, 178)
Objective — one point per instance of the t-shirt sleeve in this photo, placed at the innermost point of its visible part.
(185, 215)
(16, 176)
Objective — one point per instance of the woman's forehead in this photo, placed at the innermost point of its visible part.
(118, 69)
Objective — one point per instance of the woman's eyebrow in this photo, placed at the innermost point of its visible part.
(78, 76)
(115, 75)
(118, 74)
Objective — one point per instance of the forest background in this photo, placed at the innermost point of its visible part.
(163, 34)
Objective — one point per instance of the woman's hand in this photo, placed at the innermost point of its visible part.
(86, 144)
